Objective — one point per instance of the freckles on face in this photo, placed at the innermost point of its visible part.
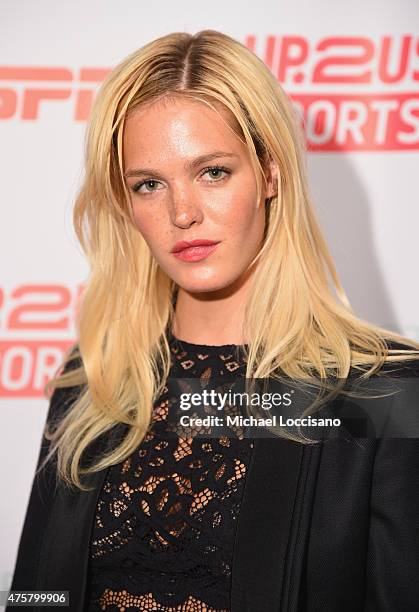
(177, 195)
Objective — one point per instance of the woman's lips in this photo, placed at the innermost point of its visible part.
(196, 253)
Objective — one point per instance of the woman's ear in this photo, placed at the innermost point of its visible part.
(271, 173)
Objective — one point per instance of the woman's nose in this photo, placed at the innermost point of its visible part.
(185, 207)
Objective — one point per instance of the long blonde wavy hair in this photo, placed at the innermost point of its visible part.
(298, 317)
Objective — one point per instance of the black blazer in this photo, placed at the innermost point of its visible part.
(331, 527)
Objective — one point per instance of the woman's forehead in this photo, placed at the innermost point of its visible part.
(185, 128)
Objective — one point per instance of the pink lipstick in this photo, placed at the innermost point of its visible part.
(194, 250)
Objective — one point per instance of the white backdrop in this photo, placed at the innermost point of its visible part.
(351, 68)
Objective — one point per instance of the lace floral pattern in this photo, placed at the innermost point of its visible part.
(166, 517)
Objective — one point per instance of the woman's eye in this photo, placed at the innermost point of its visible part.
(150, 182)
(216, 170)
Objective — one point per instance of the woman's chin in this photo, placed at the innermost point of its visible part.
(202, 285)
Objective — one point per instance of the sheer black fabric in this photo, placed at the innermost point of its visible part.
(166, 517)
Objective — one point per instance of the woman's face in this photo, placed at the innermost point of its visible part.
(190, 177)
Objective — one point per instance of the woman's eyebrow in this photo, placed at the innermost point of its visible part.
(189, 165)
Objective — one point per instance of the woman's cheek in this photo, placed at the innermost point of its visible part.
(143, 222)
(242, 217)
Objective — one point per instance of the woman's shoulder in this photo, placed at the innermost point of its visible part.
(408, 367)
(391, 393)
(63, 397)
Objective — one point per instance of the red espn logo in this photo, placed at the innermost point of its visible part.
(36, 327)
(349, 116)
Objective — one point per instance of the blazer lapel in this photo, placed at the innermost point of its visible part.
(65, 552)
(64, 556)
(273, 526)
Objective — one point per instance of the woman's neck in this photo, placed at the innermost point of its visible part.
(211, 317)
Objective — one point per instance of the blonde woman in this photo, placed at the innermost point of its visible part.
(206, 260)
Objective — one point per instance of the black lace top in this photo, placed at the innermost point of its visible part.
(166, 517)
